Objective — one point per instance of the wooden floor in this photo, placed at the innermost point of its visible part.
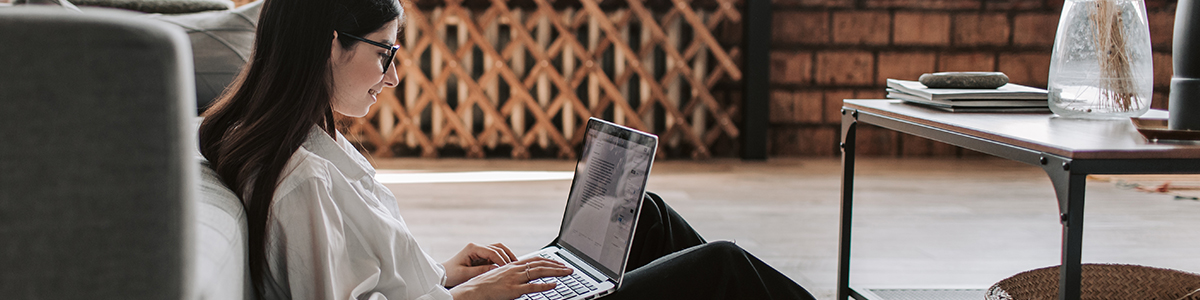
(963, 223)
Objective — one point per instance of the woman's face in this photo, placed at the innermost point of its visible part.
(358, 74)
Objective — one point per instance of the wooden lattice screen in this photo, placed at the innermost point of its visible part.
(520, 78)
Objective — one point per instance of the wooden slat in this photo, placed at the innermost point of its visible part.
(566, 82)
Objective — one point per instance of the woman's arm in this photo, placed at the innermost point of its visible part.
(335, 243)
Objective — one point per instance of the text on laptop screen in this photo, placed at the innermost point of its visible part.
(602, 207)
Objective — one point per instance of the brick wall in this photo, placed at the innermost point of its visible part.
(823, 51)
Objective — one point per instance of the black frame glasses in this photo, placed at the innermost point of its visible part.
(391, 49)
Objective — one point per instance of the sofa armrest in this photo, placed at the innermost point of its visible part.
(97, 173)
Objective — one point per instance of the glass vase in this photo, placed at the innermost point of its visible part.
(1102, 64)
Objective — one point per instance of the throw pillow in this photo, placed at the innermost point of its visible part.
(221, 44)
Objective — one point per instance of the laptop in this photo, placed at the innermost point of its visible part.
(602, 211)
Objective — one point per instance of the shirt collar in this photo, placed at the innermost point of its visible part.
(341, 153)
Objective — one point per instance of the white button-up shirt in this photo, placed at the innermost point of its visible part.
(334, 232)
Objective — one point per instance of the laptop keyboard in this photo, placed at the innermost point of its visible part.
(568, 286)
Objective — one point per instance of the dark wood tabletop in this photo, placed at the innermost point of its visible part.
(1070, 138)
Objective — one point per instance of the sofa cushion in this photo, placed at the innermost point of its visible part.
(221, 235)
(61, 3)
(161, 6)
(221, 44)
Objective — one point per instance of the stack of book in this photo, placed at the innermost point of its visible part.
(1007, 98)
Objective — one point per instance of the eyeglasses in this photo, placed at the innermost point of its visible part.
(387, 62)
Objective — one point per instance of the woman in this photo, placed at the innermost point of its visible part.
(321, 226)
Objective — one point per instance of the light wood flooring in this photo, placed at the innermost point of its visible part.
(957, 223)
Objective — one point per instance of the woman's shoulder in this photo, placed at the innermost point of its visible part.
(304, 168)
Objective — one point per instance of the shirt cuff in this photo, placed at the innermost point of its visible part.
(444, 277)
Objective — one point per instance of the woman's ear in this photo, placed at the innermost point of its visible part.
(333, 46)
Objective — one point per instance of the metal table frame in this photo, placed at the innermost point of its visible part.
(1068, 176)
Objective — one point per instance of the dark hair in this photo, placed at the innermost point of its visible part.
(252, 130)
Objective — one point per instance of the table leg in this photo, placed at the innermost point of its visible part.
(1070, 190)
(849, 124)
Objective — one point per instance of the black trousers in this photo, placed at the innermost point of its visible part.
(669, 260)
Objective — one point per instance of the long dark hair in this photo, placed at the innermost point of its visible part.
(252, 130)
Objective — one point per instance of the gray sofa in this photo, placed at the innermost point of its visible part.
(102, 193)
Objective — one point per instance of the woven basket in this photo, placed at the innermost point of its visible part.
(1102, 282)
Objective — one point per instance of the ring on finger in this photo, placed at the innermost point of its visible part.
(527, 278)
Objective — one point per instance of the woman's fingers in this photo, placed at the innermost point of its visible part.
(480, 255)
(535, 287)
(537, 259)
(500, 254)
(504, 250)
(537, 268)
(548, 271)
(496, 256)
(540, 268)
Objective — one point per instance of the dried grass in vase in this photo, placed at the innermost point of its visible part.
(1118, 91)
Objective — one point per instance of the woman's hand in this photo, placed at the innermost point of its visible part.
(474, 260)
(511, 281)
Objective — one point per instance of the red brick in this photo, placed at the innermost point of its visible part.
(1162, 29)
(800, 27)
(814, 3)
(782, 104)
(790, 141)
(967, 62)
(913, 28)
(878, 93)
(904, 65)
(968, 153)
(924, 4)
(809, 107)
(911, 145)
(861, 27)
(823, 141)
(1160, 100)
(791, 67)
(976, 29)
(1055, 5)
(943, 149)
(875, 141)
(1034, 29)
(845, 68)
(783, 141)
(796, 108)
(1013, 4)
(1159, 4)
(833, 105)
(1026, 68)
(1163, 70)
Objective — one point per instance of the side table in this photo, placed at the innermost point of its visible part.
(1066, 149)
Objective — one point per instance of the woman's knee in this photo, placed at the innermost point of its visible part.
(652, 204)
(722, 249)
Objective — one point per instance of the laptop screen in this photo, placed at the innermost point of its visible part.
(602, 208)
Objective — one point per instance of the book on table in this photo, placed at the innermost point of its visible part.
(1010, 97)
(895, 94)
(1011, 91)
